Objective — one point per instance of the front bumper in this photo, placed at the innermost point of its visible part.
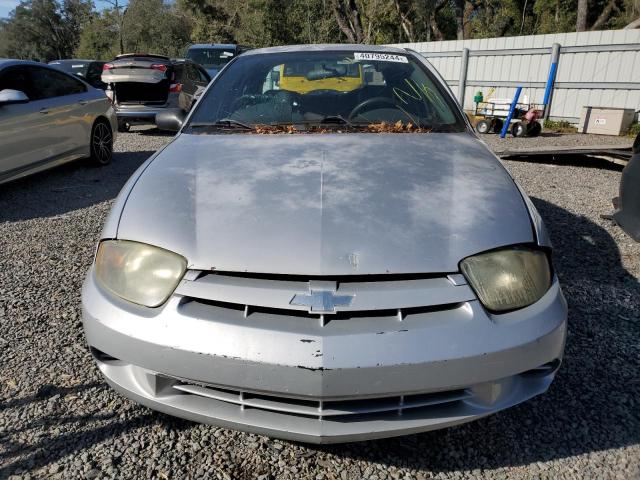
(346, 381)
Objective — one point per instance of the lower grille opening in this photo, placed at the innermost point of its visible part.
(323, 409)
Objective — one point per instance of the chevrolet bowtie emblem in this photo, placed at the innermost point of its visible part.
(321, 301)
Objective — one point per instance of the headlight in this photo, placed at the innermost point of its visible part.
(508, 279)
(137, 272)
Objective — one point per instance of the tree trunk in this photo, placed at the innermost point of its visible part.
(581, 20)
(458, 8)
(605, 15)
(634, 24)
(405, 21)
(433, 23)
(347, 16)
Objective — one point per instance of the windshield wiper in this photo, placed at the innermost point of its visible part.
(227, 123)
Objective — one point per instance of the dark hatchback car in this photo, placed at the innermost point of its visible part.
(88, 70)
(213, 56)
(142, 85)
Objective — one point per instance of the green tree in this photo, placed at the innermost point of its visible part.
(44, 30)
(99, 38)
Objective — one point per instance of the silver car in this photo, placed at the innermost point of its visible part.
(143, 85)
(325, 252)
(48, 117)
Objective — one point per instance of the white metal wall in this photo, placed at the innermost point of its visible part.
(526, 69)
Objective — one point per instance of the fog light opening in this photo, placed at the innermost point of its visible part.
(103, 357)
(543, 370)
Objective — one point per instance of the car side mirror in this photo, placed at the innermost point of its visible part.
(9, 96)
(636, 145)
(170, 120)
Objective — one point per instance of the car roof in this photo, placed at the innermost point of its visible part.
(4, 63)
(9, 62)
(327, 48)
(74, 60)
(213, 45)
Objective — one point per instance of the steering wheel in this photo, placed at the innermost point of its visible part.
(368, 103)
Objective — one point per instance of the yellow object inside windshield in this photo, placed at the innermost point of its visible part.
(301, 84)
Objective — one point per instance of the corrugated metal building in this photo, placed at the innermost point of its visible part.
(600, 69)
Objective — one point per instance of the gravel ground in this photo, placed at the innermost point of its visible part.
(58, 419)
(549, 140)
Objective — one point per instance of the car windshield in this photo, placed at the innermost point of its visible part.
(356, 89)
(211, 57)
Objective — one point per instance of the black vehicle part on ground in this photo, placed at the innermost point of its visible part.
(628, 213)
(141, 93)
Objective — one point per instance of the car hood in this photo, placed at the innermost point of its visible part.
(326, 204)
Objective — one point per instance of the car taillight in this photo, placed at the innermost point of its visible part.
(175, 88)
(107, 66)
(159, 66)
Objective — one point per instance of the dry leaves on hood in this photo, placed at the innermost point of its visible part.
(381, 127)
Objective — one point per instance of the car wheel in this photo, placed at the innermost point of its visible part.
(123, 126)
(497, 125)
(534, 129)
(101, 143)
(483, 126)
(518, 129)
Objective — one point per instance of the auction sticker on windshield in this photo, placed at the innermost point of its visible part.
(382, 57)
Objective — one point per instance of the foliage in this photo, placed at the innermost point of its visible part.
(97, 38)
(50, 29)
(155, 27)
(634, 130)
(559, 126)
(44, 30)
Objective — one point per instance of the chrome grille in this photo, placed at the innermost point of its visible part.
(392, 296)
(322, 409)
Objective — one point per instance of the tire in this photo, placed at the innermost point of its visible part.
(534, 129)
(497, 125)
(101, 143)
(483, 126)
(518, 130)
(123, 126)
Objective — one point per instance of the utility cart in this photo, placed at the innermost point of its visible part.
(524, 122)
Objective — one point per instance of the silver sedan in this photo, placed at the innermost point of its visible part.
(325, 252)
(48, 117)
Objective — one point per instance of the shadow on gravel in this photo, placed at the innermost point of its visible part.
(51, 449)
(591, 406)
(47, 391)
(154, 132)
(583, 161)
(95, 428)
(66, 188)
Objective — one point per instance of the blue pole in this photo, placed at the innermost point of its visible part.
(553, 71)
(505, 127)
(552, 76)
